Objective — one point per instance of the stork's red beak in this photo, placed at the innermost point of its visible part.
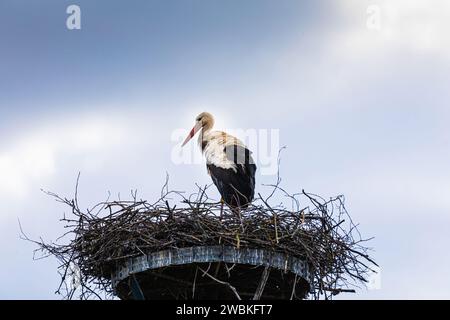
(191, 134)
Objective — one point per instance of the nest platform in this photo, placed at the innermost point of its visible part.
(195, 248)
(194, 273)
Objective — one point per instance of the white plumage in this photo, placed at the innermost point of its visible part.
(228, 161)
(214, 149)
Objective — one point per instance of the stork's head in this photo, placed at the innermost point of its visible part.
(204, 121)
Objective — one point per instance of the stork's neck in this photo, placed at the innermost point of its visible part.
(203, 137)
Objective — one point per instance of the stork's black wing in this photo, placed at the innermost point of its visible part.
(237, 188)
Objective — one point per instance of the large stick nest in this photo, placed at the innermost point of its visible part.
(101, 239)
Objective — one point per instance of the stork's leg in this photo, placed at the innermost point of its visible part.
(221, 208)
(237, 211)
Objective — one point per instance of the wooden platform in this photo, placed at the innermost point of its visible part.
(213, 272)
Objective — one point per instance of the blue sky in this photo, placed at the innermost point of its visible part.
(362, 112)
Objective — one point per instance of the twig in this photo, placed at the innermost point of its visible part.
(262, 283)
(222, 282)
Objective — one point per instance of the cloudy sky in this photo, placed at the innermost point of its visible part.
(359, 91)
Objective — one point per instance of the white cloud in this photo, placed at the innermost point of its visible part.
(35, 155)
(414, 25)
(314, 75)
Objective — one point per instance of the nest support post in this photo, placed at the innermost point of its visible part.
(213, 272)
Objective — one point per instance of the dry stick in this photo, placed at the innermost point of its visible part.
(276, 228)
(216, 272)
(274, 216)
(222, 282)
(193, 285)
(209, 267)
(230, 269)
(262, 284)
(336, 291)
(293, 287)
(221, 209)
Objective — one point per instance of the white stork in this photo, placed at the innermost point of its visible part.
(228, 161)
